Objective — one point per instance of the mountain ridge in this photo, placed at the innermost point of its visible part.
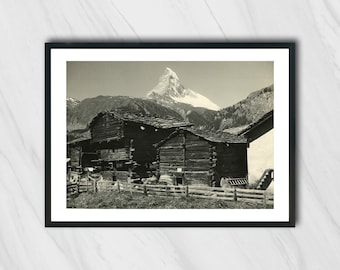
(248, 110)
(80, 116)
(162, 101)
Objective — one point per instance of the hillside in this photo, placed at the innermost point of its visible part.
(79, 116)
(246, 111)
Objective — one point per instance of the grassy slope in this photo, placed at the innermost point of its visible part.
(125, 200)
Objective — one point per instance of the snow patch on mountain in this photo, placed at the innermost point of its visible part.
(72, 102)
(197, 100)
(169, 90)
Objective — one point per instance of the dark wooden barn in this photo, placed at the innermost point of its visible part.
(200, 157)
(124, 141)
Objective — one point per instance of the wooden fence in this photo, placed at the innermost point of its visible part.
(229, 194)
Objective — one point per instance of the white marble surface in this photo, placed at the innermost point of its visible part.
(24, 241)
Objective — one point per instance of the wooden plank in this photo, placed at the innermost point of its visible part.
(198, 148)
(196, 172)
(190, 144)
(212, 189)
(169, 165)
(250, 191)
(171, 159)
(210, 193)
(170, 152)
(198, 166)
(209, 197)
(255, 196)
(198, 155)
(199, 160)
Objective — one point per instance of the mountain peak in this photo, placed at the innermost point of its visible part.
(170, 90)
(168, 72)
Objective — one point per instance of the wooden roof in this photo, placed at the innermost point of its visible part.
(151, 120)
(82, 137)
(268, 117)
(208, 135)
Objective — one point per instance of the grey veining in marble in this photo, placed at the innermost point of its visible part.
(24, 241)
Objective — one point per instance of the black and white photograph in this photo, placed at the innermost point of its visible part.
(170, 136)
(171, 146)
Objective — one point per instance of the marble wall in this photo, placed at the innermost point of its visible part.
(24, 241)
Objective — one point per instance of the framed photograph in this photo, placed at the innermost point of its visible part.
(170, 134)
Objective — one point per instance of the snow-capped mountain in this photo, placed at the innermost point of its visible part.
(72, 102)
(169, 90)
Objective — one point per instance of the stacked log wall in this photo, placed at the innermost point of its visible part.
(107, 128)
(116, 154)
(198, 166)
(170, 155)
(187, 154)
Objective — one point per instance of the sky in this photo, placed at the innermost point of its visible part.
(224, 83)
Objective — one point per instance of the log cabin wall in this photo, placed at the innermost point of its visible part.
(198, 169)
(231, 161)
(105, 128)
(188, 156)
(115, 158)
(170, 155)
(113, 150)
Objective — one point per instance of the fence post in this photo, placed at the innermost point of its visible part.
(94, 186)
(235, 195)
(167, 191)
(265, 199)
(187, 191)
(145, 190)
(118, 186)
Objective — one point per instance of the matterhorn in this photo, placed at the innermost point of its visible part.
(170, 91)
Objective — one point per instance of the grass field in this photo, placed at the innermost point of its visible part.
(126, 200)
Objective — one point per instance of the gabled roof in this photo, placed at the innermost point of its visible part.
(208, 135)
(216, 136)
(81, 137)
(151, 120)
(265, 118)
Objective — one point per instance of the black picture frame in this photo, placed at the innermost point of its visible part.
(290, 46)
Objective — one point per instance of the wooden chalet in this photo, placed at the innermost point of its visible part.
(124, 141)
(260, 137)
(200, 157)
